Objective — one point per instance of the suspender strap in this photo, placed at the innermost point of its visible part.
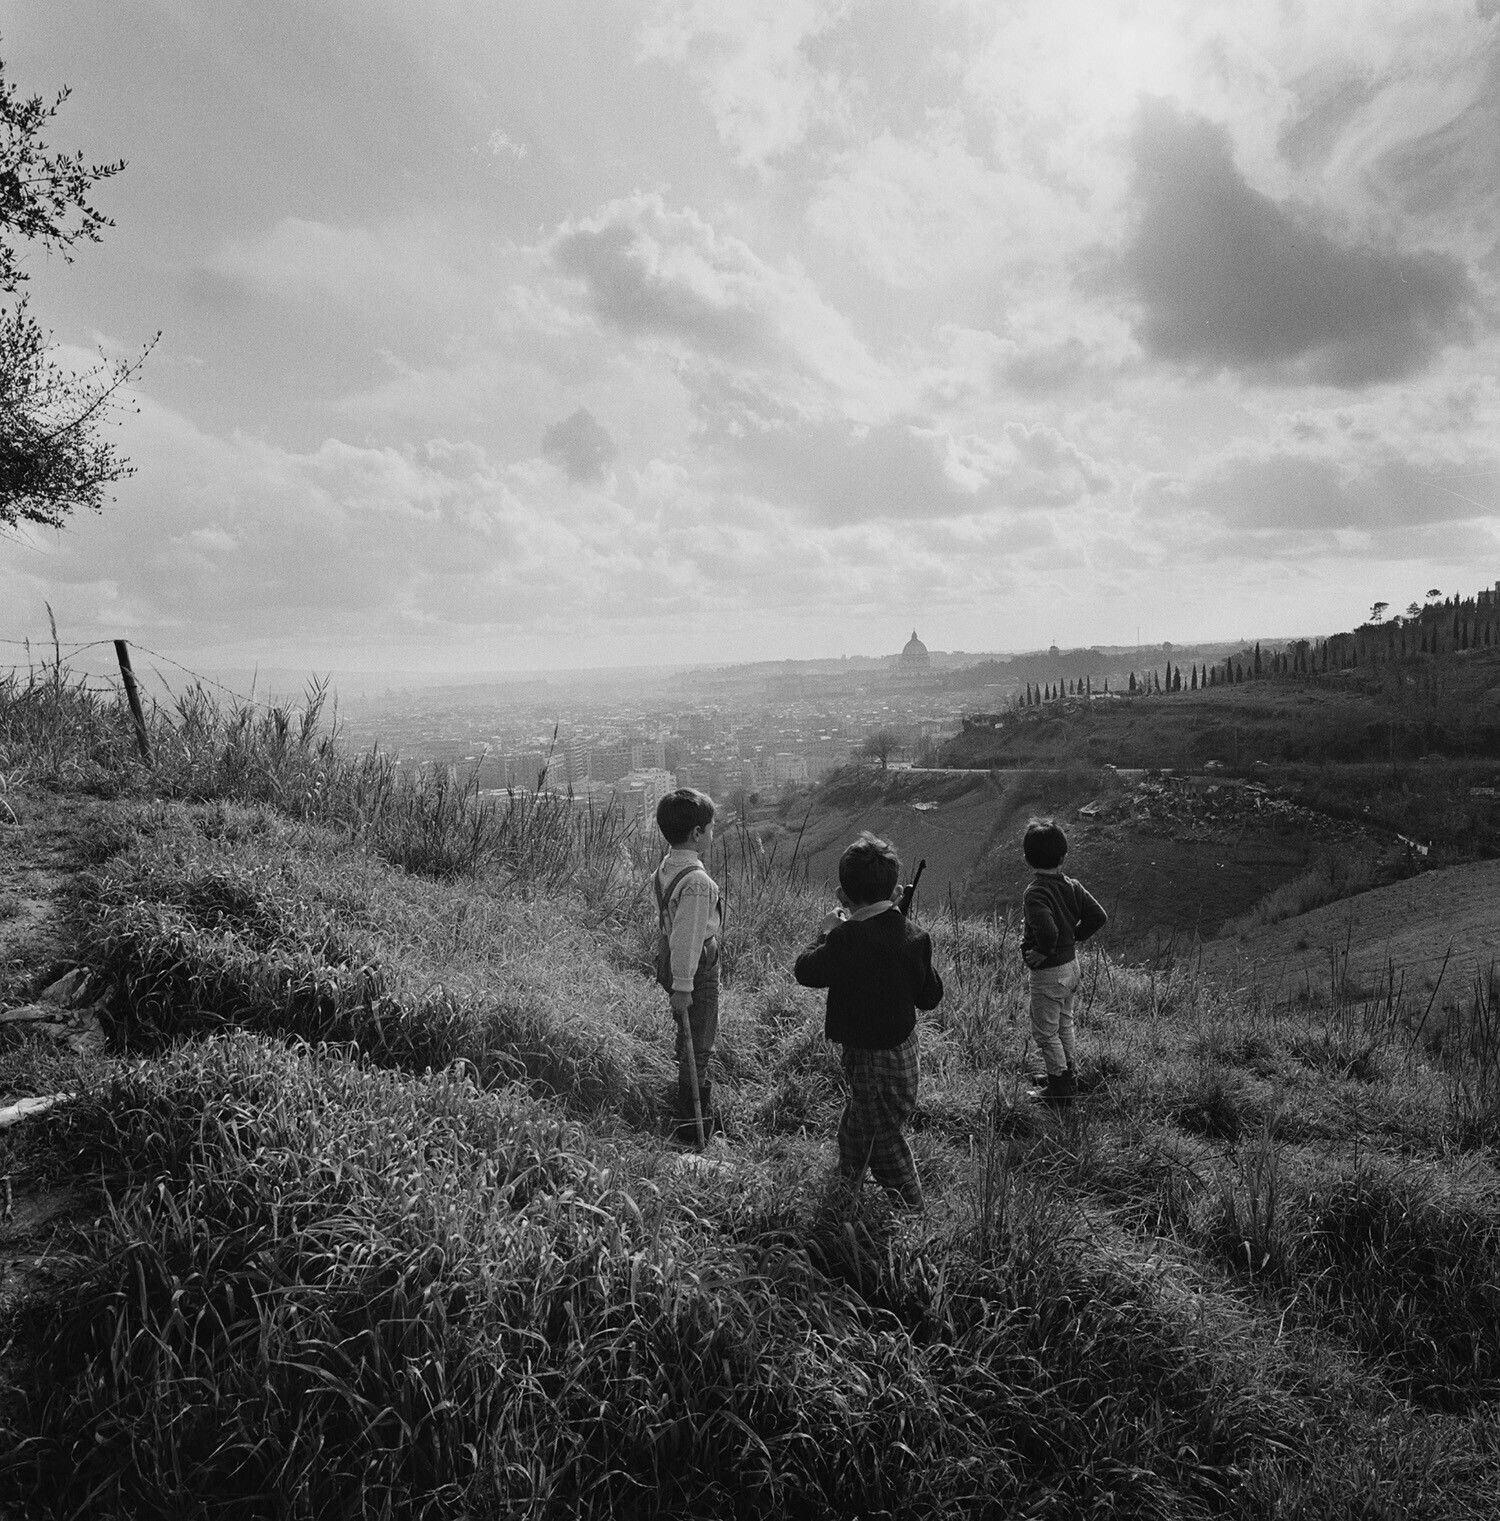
(664, 898)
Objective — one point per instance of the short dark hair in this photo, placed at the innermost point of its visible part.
(1044, 844)
(680, 813)
(869, 869)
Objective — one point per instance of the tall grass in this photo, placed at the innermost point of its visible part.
(324, 1291)
(226, 918)
(1329, 879)
(55, 730)
(1471, 1059)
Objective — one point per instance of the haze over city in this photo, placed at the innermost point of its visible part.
(577, 335)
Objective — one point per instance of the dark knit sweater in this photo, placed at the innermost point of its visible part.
(878, 973)
(1059, 911)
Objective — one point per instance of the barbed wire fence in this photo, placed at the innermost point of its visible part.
(47, 660)
(111, 685)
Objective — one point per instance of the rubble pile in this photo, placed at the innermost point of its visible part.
(1188, 808)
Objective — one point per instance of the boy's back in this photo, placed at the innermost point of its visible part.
(878, 972)
(692, 911)
(1059, 912)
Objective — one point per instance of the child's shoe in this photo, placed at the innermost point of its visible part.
(1055, 1089)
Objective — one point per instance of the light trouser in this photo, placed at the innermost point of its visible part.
(1054, 990)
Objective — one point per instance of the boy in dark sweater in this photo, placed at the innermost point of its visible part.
(878, 971)
(1059, 913)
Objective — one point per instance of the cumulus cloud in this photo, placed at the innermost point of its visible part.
(691, 288)
(751, 63)
(1317, 493)
(670, 277)
(911, 469)
(581, 445)
(1228, 278)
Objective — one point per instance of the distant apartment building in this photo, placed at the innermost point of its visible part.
(524, 767)
(648, 755)
(825, 755)
(787, 767)
(575, 763)
(758, 774)
(638, 793)
(708, 777)
(608, 763)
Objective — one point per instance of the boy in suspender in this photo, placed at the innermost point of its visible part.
(691, 918)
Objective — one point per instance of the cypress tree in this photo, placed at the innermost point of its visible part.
(1132, 681)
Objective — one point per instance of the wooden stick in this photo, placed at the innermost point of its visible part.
(692, 1059)
(122, 650)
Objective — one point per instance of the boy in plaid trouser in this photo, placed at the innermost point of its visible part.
(878, 971)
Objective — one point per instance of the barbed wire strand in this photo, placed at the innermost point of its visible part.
(250, 702)
(72, 647)
(240, 697)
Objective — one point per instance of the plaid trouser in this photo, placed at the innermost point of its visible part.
(882, 1097)
(702, 1017)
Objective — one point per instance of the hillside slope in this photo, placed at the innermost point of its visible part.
(1442, 924)
(1165, 859)
(376, 1213)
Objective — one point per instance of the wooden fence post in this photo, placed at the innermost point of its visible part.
(134, 698)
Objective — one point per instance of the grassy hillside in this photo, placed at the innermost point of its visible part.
(365, 1208)
(1354, 763)
(1288, 721)
(1171, 862)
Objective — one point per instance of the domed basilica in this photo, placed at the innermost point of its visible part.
(914, 658)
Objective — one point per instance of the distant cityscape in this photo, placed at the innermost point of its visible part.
(740, 733)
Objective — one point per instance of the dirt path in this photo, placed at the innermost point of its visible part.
(1409, 927)
(45, 840)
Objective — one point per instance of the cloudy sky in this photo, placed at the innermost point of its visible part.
(551, 334)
